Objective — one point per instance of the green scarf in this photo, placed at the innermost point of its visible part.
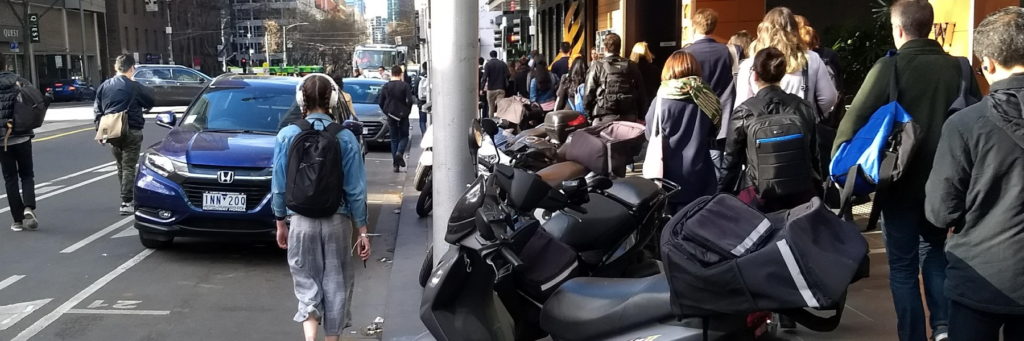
(691, 88)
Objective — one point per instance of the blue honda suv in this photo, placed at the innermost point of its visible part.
(211, 175)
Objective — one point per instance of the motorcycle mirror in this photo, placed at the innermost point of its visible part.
(489, 127)
(601, 183)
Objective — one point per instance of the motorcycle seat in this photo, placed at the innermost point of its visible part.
(636, 191)
(587, 308)
(606, 222)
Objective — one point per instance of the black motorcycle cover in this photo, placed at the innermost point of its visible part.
(723, 257)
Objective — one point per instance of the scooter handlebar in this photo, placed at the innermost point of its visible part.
(510, 257)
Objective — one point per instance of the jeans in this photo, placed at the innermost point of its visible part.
(423, 122)
(17, 169)
(966, 323)
(399, 130)
(915, 247)
(126, 156)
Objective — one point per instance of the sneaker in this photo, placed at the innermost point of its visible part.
(401, 161)
(396, 169)
(943, 336)
(30, 221)
(127, 208)
(17, 227)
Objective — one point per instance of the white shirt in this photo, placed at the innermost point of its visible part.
(793, 83)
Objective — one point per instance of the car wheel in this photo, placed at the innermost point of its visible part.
(427, 267)
(152, 241)
(426, 201)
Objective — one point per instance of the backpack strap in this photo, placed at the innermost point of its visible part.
(333, 128)
(303, 124)
(894, 85)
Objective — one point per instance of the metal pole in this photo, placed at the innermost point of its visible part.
(284, 39)
(81, 20)
(170, 44)
(455, 49)
(223, 43)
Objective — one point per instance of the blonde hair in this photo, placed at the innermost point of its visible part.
(807, 33)
(780, 30)
(641, 50)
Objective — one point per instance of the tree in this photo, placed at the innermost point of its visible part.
(273, 33)
(328, 42)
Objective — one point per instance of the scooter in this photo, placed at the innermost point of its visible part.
(424, 172)
(474, 293)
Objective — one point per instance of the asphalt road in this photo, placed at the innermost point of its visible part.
(84, 275)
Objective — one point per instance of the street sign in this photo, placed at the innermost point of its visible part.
(151, 6)
(10, 33)
(167, 30)
(14, 45)
(33, 28)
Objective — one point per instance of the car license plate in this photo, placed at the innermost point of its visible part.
(222, 201)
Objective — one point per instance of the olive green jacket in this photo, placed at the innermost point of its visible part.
(929, 81)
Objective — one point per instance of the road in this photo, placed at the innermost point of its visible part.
(84, 275)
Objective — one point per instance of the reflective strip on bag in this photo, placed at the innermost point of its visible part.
(798, 277)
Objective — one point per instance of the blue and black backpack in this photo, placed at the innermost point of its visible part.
(879, 152)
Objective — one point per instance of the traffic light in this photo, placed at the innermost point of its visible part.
(498, 38)
(515, 37)
(242, 62)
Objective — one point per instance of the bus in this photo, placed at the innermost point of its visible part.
(367, 59)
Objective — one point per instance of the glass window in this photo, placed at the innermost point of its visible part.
(184, 75)
(144, 74)
(364, 93)
(370, 59)
(161, 74)
(241, 109)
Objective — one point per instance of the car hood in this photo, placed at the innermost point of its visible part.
(219, 149)
(368, 112)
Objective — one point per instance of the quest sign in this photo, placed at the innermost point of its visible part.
(10, 33)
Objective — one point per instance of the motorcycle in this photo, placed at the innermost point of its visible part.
(477, 290)
(422, 179)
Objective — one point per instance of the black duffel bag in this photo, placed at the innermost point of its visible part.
(605, 149)
(723, 257)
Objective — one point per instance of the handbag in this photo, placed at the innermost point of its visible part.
(114, 125)
(654, 163)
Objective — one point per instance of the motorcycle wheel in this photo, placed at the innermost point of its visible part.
(427, 267)
(425, 203)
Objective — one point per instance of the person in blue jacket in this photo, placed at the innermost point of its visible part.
(543, 83)
(319, 248)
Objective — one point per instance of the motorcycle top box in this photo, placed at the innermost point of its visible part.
(559, 124)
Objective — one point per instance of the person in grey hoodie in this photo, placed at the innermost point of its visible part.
(16, 154)
(974, 189)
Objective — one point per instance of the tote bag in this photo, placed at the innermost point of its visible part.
(654, 164)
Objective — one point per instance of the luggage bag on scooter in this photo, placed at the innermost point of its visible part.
(607, 148)
(723, 257)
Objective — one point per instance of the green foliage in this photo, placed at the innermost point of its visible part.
(862, 44)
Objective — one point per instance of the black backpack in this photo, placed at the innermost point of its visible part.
(778, 149)
(314, 178)
(617, 87)
(29, 108)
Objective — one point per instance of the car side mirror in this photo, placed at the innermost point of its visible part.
(166, 119)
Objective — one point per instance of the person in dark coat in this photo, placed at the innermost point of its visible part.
(16, 154)
(714, 57)
(644, 59)
(974, 189)
(769, 68)
(561, 65)
(690, 112)
(396, 101)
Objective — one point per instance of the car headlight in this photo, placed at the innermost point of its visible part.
(159, 163)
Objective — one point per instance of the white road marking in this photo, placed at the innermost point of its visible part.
(97, 235)
(118, 312)
(44, 189)
(65, 189)
(128, 232)
(10, 280)
(106, 169)
(88, 170)
(44, 322)
(11, 314)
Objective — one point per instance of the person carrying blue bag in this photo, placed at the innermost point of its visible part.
(891, 133)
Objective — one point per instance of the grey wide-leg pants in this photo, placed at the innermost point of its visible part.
(318, 254)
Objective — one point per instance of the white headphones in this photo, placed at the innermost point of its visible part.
(335, 91)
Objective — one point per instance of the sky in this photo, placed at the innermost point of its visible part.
(376, 8)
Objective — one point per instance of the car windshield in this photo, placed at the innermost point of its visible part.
(373, 59)
(363, 92)
(248, 110)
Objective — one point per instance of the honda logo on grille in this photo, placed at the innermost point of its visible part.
(225, 177)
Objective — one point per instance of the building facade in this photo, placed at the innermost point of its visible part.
(357, 6)
(249, 34)
(379, 30)
(400, 10)
(67, 32)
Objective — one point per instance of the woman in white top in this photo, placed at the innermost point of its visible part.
(807, 75)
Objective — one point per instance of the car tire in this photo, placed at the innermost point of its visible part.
(425, 203)
(151, 241)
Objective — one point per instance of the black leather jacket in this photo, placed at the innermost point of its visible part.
(116, 94)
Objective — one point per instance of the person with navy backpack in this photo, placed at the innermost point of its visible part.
(918, 85)
(320, 181)
(974, 189)
(773, 135)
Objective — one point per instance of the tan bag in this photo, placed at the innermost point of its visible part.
(112, 126)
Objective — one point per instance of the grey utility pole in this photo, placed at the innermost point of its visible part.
(454, 50)
(284, 40)
(170, 44)
(81, 20)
